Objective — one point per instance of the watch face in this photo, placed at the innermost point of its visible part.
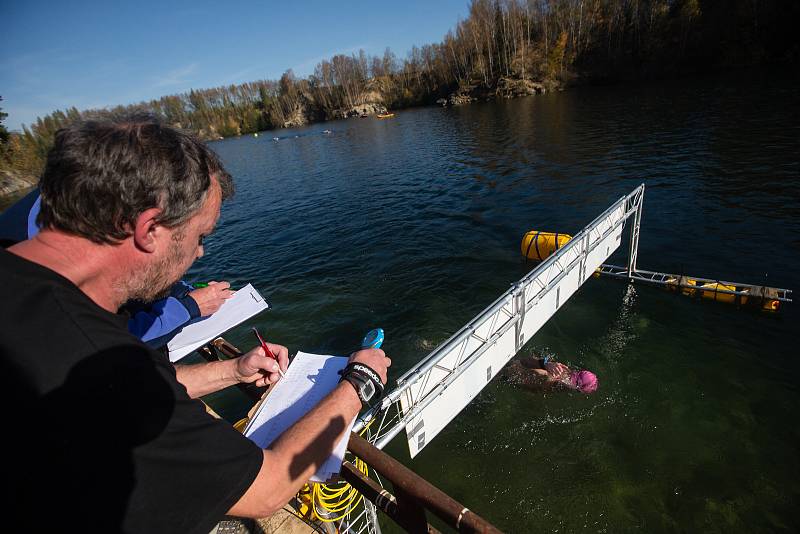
(367, 390)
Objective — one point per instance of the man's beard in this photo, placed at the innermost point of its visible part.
(156, 280)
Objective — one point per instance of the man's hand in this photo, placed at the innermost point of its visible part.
(258, 368)
(210, 298)
(297, 453)
(375, 359)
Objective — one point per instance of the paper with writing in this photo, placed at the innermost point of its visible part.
(245, 303)
(308, 380)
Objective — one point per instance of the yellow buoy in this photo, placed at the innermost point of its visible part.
(687, 291)
(710, 291)
(538, 246)
(678, 284)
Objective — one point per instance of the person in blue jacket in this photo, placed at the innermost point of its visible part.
(155, 323)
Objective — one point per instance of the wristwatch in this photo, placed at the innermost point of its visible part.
(366, 382)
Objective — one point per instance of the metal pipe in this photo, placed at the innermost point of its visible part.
(633, 247)
(453, 513)
(386, 502)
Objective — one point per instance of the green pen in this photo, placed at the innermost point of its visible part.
(200, 285)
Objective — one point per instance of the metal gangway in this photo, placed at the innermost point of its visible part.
(433, 392)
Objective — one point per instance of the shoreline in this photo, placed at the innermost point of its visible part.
(504, 88)
(13, 185)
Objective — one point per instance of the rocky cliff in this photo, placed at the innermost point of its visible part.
(11, 182)
(503, 88)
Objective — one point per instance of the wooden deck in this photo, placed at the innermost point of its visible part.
(283, 522)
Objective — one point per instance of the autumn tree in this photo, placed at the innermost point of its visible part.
(545, 40)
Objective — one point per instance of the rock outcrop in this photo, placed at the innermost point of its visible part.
(514, 87)
(359, 110)
(11, 182)
(458, 99)
(504, 88)
(298, 117)
(369, 102)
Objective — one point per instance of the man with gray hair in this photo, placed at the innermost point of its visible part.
(106, 433)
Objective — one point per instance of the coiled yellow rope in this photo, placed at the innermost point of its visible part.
(339, 498)
(336, 500)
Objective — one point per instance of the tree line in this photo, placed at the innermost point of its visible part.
(550, 41)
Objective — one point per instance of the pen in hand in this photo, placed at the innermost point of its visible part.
(268, 352)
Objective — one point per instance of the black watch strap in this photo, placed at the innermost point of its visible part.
(365, 380)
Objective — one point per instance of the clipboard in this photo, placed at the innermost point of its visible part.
(244, 304)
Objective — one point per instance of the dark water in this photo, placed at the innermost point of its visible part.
(414, 224)
(8, 200)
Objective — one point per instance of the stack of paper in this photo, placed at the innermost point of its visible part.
(244, 304)
(308, 380)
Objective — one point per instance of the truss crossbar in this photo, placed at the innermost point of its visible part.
(676, 280)
(435, 390)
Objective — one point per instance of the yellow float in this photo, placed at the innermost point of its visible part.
(711, 291)
(538, 246)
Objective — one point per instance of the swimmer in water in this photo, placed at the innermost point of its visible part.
(543, 374)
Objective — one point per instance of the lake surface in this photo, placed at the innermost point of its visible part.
(414, 225)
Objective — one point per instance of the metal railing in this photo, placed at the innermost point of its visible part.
(428, 380)
(411, 497)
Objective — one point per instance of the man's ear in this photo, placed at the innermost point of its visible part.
(145, 228)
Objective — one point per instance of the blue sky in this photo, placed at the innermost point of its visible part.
(91, 54)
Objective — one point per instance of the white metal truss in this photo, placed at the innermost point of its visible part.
(680, 281)
(362, 519)
(435, 390)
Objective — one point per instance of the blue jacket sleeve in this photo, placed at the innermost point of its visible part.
(33, 227)
(181, 292)
(159, 324)
(16, 220)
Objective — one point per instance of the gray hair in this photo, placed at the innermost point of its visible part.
(101, 175)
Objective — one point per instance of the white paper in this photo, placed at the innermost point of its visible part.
(308, 380)
(245, 303)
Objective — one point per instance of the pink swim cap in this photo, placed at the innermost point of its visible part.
(583, 381)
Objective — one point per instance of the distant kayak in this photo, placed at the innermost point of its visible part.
(385, 115)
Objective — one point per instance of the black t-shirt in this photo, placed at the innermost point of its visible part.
(99, 435)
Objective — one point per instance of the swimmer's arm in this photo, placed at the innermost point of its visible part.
(532, 363)
(535, 365)
(556, 370)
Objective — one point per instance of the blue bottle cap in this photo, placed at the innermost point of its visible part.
(373, 339)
